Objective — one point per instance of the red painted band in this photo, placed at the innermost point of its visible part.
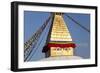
(61, 45)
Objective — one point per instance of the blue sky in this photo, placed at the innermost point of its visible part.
(33, 20)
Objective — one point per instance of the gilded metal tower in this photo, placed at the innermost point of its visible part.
(60, 41)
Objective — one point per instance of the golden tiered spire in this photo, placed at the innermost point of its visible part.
(60, 43)
(60, 30)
